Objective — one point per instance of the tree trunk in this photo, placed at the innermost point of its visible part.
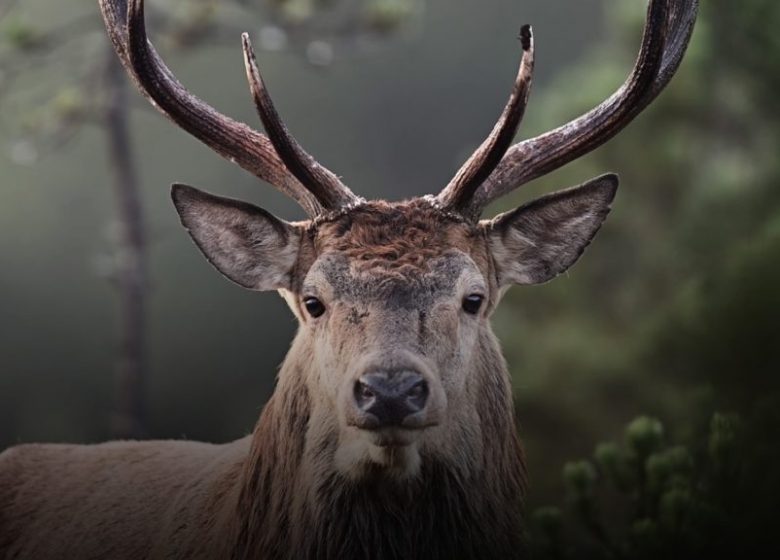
(129, 420)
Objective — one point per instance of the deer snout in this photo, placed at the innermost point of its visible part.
(388, 399)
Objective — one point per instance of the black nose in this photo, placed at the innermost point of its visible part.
(390, 396)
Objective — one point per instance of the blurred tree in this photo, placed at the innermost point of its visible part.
(677, 316)
(95, 92)
(649, 499)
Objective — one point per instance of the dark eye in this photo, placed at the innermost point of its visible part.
(472, 303)
(314, 306)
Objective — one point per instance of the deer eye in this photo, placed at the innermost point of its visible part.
(472, 303)
(314, 306)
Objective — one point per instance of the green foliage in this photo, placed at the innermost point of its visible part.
(68, 104)
(387, 15)
(649, 500)
(21, 35)
(673, 311)
(644, 436)
(695, 313)
(580, 476)
(750, 35)
(723, 438)
(311, 28)
(380, 16)
(296, 11)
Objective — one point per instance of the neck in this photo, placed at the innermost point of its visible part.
(295, 504)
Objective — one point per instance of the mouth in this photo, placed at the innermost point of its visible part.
(393, 451)
(370, 424)
(393, 437)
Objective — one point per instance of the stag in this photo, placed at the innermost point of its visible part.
(390, 434)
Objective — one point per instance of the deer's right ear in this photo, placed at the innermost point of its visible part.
(245, 243)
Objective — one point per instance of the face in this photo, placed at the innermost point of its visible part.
(391, 305)
(393, 301)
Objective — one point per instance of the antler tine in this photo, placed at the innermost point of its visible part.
(328, 189)
(458, 193)
(233, 140)
(667, 31)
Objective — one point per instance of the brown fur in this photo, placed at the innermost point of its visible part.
(467, 510)
(257, 500)
(305, 484)
(393, 235)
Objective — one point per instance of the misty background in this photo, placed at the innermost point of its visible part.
(671, 314)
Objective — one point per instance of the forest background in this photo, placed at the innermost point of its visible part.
(646, 380)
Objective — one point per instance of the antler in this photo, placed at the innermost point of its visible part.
(321, 182)
(478, 167)
(280, 161)
(667, 31)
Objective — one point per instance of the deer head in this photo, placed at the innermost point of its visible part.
(394, 298)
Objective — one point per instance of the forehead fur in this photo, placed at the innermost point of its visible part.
(394, 235)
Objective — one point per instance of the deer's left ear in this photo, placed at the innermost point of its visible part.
(539, 240)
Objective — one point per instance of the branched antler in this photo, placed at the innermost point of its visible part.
(279, 161)
(494, 169)
(667, 31)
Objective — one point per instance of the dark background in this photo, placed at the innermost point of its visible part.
(672, 312)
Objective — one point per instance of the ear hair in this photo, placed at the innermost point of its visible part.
(247, 244)
(543, 238)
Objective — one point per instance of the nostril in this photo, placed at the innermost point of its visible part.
(417, 395)
(389, 398)
(364, 395)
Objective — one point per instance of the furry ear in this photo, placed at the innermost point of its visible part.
(245, 243)
(539, 240)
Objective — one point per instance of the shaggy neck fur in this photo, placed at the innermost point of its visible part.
(294, 504)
